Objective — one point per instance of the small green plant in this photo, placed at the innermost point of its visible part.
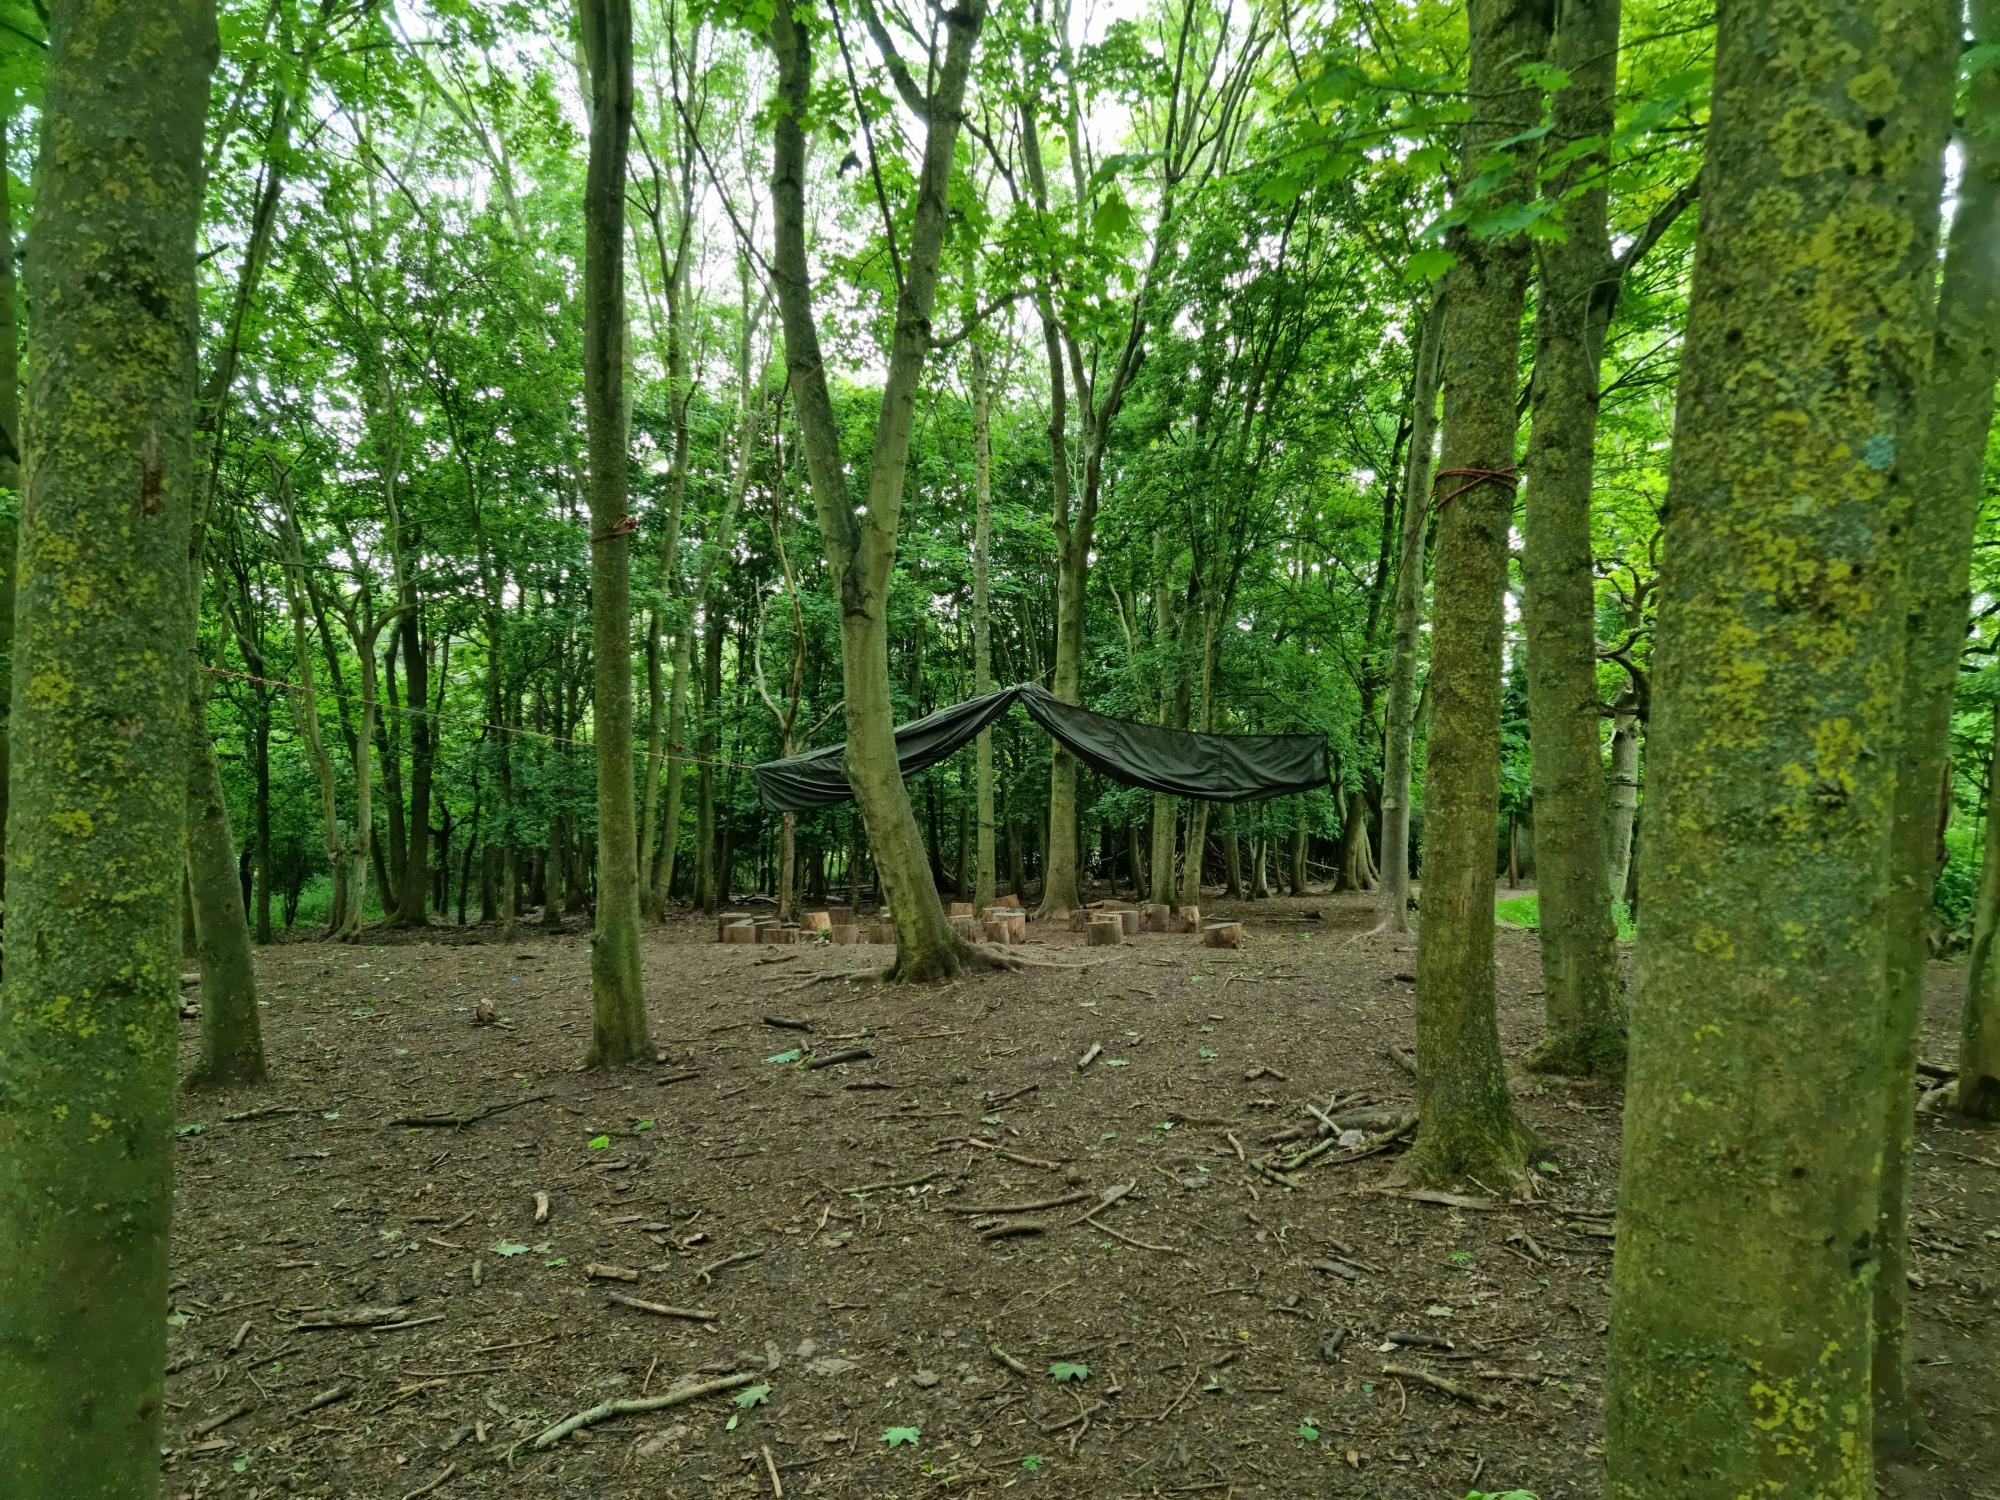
(1033, 1462)
(1307, 1431)
(643, 1125)
(599, 1142)
(1065, 1370)
(902, 1437)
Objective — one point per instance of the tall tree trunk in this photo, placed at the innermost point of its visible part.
(1583, 1003)
(861, 548)
(1625, 733)
(105, 637)
(232, 1049)
(1468, 1127)
(1759, 1037)
(618, 1001)
(1399, 715)
(1298, 851)
(1954, 416)
(985, 873)
(260, 751)
(665, 860)
(10, 447)
(1232, 852)
(412, 903)
(1979, 1037)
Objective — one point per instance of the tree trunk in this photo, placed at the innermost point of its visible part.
(861, 548)
(88, 1028)
(1399, 715)
(1625, 736)
(1771, 787)
(617, 992)
(1298, 861)
(1232, 853)
(1979, 1037)
(10, 448)
(1953, 419)
(232, 1046)
(260, 758)
(1583, 1001)
(1469, 1129)
(412, 896)
(1357, 859)
(985, 872)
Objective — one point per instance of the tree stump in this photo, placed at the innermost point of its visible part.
(727, 920)
(818, 921)
(840, 916)
(1129, 920)
(1157, 917)
(883, 932)
(776, 932)
(845, 933)
(1189, 919)
(1104, 932)
(744, 931)
(967, 926)
(996, 930)
(1016, 920)
(961, 909)
(1079, 921)
(1222, 935)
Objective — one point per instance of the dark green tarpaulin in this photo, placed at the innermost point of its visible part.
(1180, 762)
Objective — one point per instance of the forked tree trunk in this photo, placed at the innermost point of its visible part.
(1747, 1266)
(1468, 1130)
(1399, 713)
(1955, 413)
(1583, 1002)
(105, 637)
(861, 548)
(618, 1031)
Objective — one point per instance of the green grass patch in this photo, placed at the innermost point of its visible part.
(1526, 911)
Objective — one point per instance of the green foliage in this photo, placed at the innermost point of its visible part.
(1525, 911)
(1066, 1370)
(901, 1437)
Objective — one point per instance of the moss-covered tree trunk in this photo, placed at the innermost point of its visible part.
(617, 991)
(89, 1014)
(1949, 459)
(10, 439)
(1399, 714)
(861, 545)
(1747, 1255)
(232, 1046)
(1468, 1129)
(1582, 996)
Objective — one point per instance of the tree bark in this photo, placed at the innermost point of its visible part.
(1469, 1130)
(1947, 462)
(10, 448)
(105, 637)
(1399, 715)
(1625, 735)
(1979, 1035)
(1583, 1000)
(232, 1049)
(617, 991)
(1759, 1043)
(985, 872)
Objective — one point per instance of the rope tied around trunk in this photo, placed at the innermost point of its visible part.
(1509, 475)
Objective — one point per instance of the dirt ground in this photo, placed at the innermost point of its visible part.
(1209, 1333)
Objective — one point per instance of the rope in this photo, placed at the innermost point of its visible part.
(1509, 475)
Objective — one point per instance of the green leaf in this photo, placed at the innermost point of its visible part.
(1549, 1167)
(790, 1056)
(1307, 1431)
(902, 1437)
(643, 1125)
(510, 1248)
(1066, 1370)
(599, 1142)
(752, 1395)
(1112, 218)
(195, 1129)
(1428, 265)
(1437, 1310)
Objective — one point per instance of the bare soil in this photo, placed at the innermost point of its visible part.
(1223, 1335)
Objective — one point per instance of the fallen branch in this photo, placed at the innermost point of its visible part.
(424, 1489)
(1449, 1387)
(459, 1122)
(1059, 1201)
(661, 1309)
(1110, 1196)
(876, 1187)
(728, 1260)
(786, 1023)
(846, 1055)
(266, 1111)
(241, 1409)
(1026, 1161)
(1012, 1229)
(1402, 1058)
(634, 1406)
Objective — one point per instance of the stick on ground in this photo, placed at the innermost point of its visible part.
(633, 1406)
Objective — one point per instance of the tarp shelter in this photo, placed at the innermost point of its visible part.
(1180, 762)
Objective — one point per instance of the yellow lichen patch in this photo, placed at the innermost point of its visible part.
(75, 822)
(1875, 90)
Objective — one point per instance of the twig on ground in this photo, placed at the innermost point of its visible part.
(728, 1260)
(266, 1111)
(786, 1023)
(1450, 1387)
(771, 1468)
(876, 1187)
(846, 1055)
(1109, 1196)
(661, 1309)
(325, 1398)
(1135, 1244)
(1402, 1058)
(241, 1409)
(1090, 1056)
(607, 1410)
(596, 1272)
(459, 1122)
(1013, 1228)
(424, 1489)
(1059, 1201)
(1009, 1361)
(1026, 1161)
